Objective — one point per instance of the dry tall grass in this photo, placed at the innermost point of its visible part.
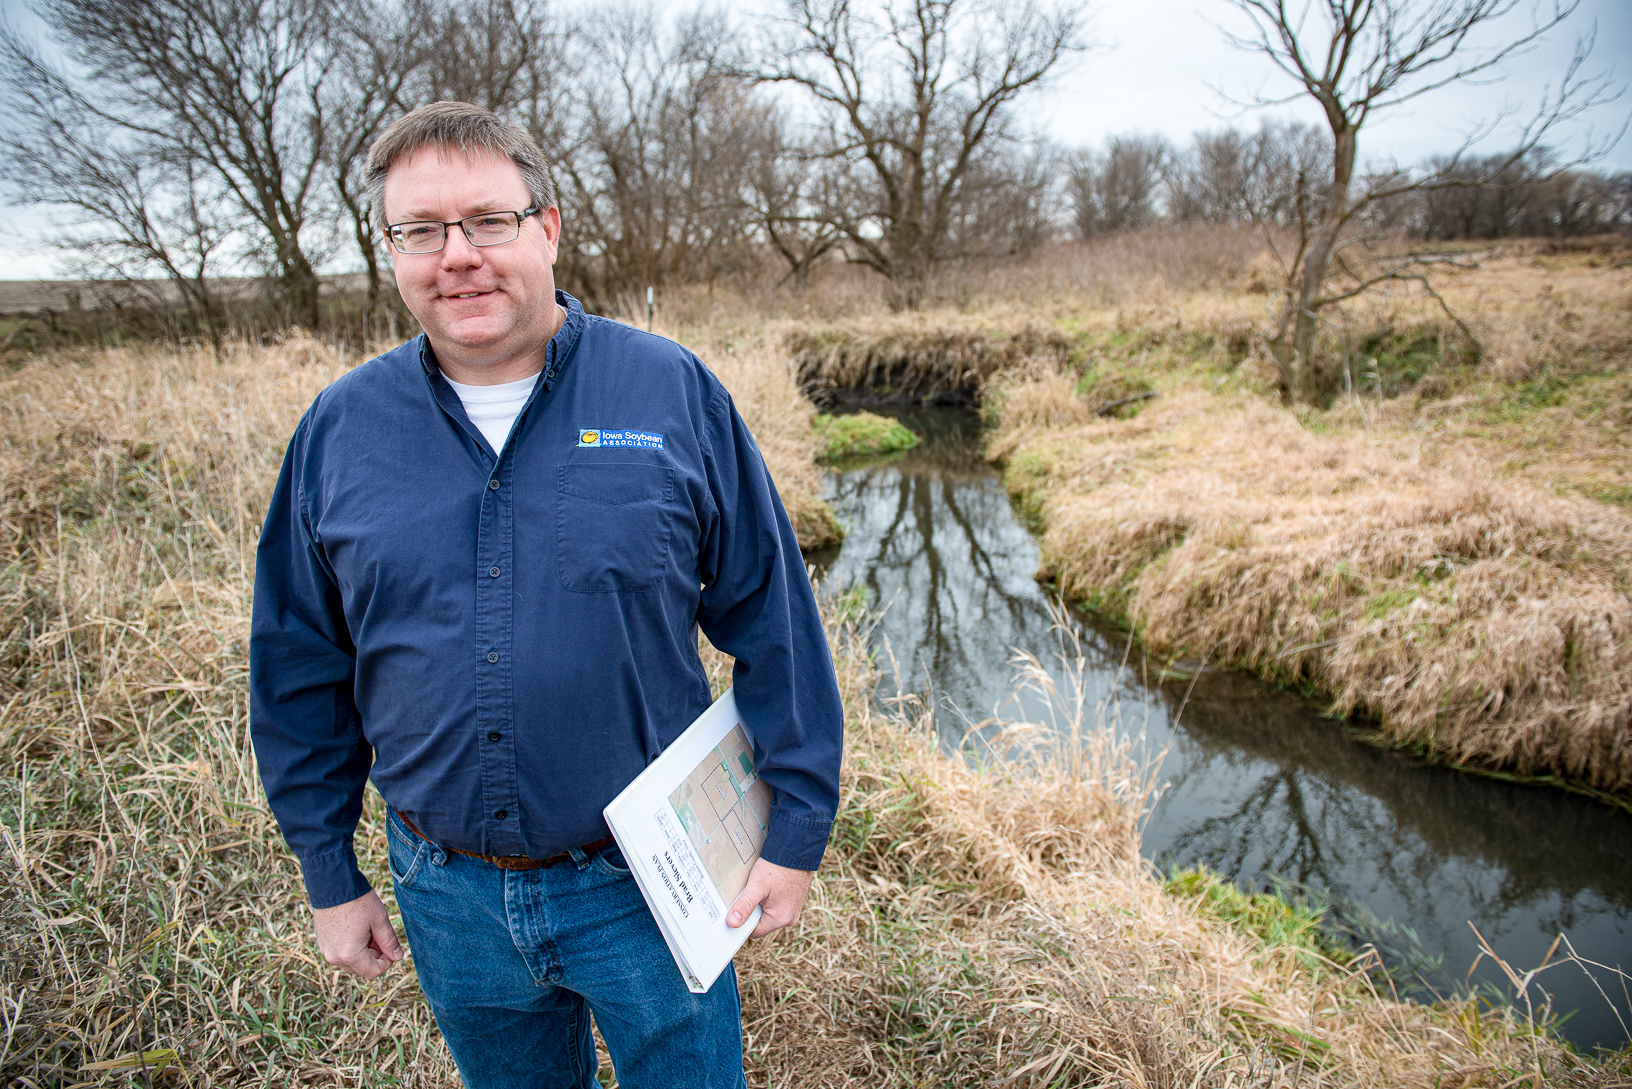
(973, 926)
(764, 386)
(920, 358)
(1434, 558)
(988, 926)
(1059, 277)
(1491, 624)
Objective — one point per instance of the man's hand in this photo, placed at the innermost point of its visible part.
(779, 890)
(358, 936)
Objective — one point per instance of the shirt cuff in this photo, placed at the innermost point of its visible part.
(333, 878)
(795, 842)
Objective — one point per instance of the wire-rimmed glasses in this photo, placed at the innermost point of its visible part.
(482, 229)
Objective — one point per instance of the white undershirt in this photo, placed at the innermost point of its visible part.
(493, 409)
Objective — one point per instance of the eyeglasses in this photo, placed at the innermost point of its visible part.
(482, 229)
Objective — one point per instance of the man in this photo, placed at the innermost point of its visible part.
(479, 584)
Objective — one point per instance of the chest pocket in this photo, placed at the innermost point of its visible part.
(612, 526)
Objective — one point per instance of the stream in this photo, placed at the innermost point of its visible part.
(1258, 784)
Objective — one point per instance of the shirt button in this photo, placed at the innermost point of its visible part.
(493, 485)
(492, 655)
(493, 572)
(493, 735)
(501, 814)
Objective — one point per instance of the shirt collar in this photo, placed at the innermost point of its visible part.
(557, 354)
(560, 351)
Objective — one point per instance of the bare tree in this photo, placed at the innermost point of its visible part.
(1505, 196)
(231, 87)
(1357, 58)
(655, 188)
(1574, 202)
(382, 48)
(124, 207)
(508, 56)
(785, 188)
(911, 96)
(1212, 180)
(1008, 206)
(1272, 177)
(1117, 189)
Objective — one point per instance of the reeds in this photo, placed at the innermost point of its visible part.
(150, 902)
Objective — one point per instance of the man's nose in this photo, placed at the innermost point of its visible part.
(458, 253)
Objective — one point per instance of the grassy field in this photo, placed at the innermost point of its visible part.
(973, 925)
(1445, 551)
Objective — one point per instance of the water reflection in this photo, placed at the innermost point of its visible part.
(1259, 784)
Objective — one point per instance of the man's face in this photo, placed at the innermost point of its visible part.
(488, 309)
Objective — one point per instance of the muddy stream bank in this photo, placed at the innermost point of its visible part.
(1259, 785)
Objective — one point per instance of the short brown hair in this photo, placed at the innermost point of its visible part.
(471, 129)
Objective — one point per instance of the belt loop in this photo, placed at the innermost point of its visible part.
(579, 857)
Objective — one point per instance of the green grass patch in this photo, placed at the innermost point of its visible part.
(1396, 360)
(1029, 474)
(1546, 390)
(851, 606)
(1380, 605)
(1272, 919)
(861, 434)
(1602, 400)
(1619, 495)
(1111, 603)
(1314, 420)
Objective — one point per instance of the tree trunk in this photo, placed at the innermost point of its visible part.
(1314, 376)
(910, 263)
(362, 231)
(372, 299)
(299, 285)
(1311, 377)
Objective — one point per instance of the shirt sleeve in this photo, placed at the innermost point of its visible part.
(757, 605)
(308, 739)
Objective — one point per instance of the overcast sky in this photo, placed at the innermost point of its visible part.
(1163, 66)
(1165, 62)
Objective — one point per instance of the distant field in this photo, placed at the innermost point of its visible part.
(29, 296)
(34, 296)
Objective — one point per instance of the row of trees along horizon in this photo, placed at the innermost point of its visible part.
(191, 140)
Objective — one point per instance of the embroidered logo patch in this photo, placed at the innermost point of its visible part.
(622, 436)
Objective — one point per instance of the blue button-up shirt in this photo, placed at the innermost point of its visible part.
(502, 640)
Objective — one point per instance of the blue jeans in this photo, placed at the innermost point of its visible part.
(513, 962)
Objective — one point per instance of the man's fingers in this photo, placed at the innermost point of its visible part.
(779, 891)
(751, 896)
(364, 963)
(385, 940)
(782, 908)
(358, 936)
(369, 961)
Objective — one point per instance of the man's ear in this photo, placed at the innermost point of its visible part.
(550, 220)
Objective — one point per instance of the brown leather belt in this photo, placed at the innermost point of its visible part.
(513, 862)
